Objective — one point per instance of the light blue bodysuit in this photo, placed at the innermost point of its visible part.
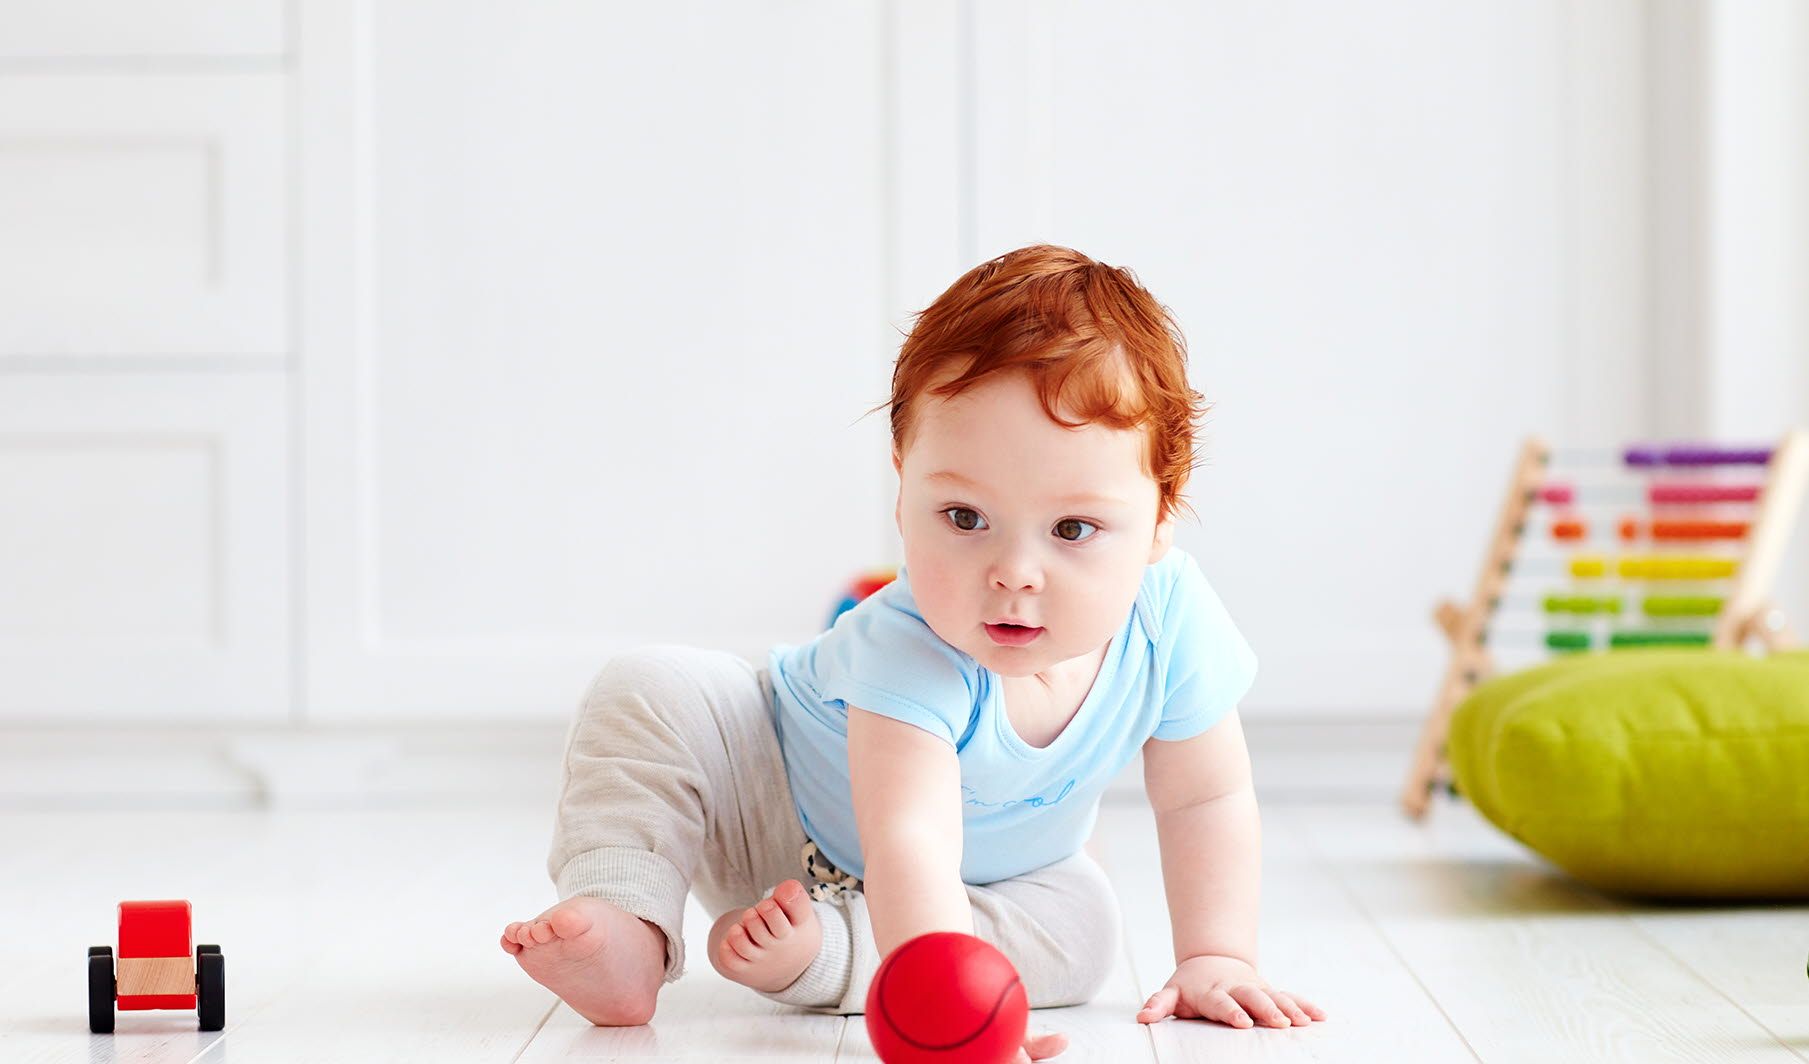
(1176, 666)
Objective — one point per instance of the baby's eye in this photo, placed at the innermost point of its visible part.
(1071, 524)
(971, 522)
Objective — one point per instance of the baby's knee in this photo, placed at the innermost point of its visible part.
(1091, 962)
(650, 665)
(1089, 928)
(640, 682)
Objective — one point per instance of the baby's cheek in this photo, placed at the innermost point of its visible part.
(937, 604)
(1103, 609)
(942, 604)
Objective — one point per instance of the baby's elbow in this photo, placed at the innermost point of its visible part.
(912, 848)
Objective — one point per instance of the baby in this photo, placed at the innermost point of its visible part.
(934, 761)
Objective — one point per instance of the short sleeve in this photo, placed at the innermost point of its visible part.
(1208, 667)
(883, 657)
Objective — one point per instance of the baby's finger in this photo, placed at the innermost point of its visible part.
(1312, 1010)
(1224, 1008)
(1044, 1046)
(1296, 1015)
(1259, 1005)
(1160, 1004)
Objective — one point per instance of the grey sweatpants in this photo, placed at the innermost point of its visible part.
(674, 782)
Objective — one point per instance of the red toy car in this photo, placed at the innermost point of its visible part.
(155, 969)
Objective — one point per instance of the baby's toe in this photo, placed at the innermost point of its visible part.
(509, 945)
(756, 928)
(738, 941)
(769, 916)
(568, 922)
(541, 931)
(793, 901)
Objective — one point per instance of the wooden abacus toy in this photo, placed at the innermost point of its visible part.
(1693, 565)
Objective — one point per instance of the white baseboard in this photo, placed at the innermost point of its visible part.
(1295, 758)
(239, 768)
(1317, 758)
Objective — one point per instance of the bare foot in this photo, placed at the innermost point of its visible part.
(608, 965)
(769, 946)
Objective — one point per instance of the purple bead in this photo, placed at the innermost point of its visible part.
(1696, 455)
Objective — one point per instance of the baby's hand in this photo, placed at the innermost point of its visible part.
(1229, 991)
(1041, 1047)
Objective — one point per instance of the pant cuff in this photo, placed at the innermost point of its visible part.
(825, 983)
(638, 882)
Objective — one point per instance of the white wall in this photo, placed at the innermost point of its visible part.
(1397, 243)
(1758, 220)
(1729, 195)
(593, 299)
(527, 334)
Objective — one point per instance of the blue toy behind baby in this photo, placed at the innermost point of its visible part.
(859, 588)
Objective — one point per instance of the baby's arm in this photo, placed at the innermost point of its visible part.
(907, 808)
(1207, 829)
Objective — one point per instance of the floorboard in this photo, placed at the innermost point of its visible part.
(1313, 942)
(1528, 964)
(371, 935)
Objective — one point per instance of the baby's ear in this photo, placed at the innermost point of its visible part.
(1164, 539)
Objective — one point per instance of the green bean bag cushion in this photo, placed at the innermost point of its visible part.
(1663, 773)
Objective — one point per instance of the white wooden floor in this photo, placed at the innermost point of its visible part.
(372, 936)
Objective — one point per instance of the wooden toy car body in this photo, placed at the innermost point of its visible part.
(156, 970)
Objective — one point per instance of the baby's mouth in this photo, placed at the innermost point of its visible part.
(1012, 635)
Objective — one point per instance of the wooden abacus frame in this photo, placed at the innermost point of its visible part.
(1748, 613)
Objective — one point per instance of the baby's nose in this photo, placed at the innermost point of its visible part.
(1015, 576)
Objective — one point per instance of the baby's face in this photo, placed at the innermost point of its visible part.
(1006, 515)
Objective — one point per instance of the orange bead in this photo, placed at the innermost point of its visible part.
(1699, 529)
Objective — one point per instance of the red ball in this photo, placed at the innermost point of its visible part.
(946, 998)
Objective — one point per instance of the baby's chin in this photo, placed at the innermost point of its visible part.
(1014, 662)
(1005, 661)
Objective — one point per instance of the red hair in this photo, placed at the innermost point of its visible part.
(1092, 340)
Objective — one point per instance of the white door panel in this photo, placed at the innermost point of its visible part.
(595, 298)
(144, 547)
(143, 216)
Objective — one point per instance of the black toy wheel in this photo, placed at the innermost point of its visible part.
(210, 987)
(100, 989)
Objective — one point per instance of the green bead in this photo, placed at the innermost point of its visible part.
(1681, 606)
(1584, 604)
(1658, 639)
(1567, 640)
